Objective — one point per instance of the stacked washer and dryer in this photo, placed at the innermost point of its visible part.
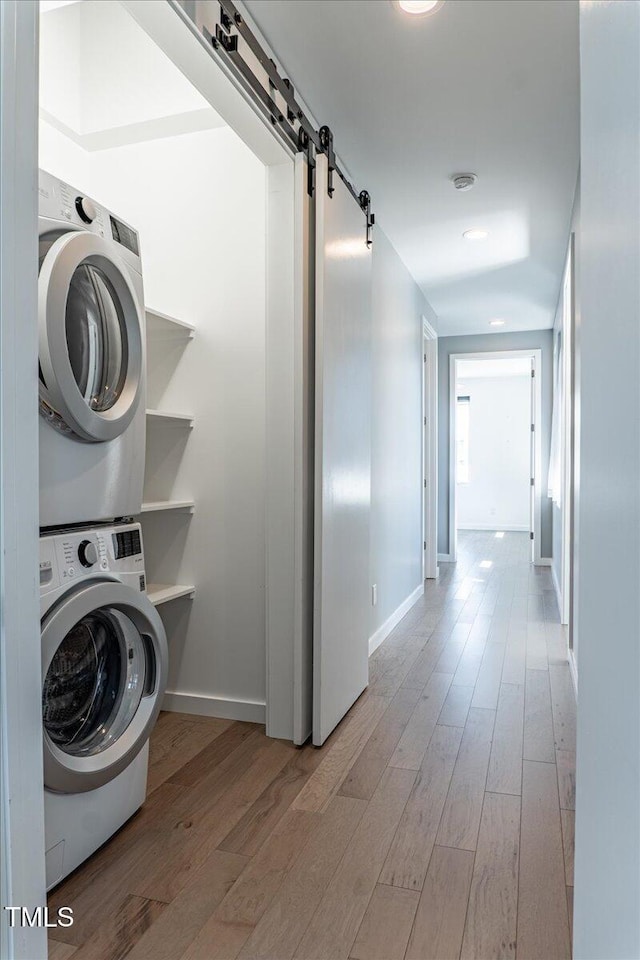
(104, 649)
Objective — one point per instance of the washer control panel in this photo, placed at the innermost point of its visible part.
(76, 555)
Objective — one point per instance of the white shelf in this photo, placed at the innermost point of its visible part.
(157, 506)
(185, 418)
(164, 592)
(162, 323)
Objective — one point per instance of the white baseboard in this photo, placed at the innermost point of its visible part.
(543, 562)
(383, 631)
(507, 527)
(205, 706)
(573, 670)
(444, 558)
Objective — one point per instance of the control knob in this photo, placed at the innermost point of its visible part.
(86, 209)
(87, 553)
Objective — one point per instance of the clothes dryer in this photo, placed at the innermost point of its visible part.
(91, 360)
(104, 670)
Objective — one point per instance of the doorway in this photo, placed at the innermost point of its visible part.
(495, 445)
(429, 451)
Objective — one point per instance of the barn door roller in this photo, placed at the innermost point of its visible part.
(275, 98)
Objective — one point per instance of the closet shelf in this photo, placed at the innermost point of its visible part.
(157, 506)
(164, 592)
(162, 323)
(182, 418)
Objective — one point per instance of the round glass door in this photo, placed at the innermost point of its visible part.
(94, 683)
(91, 351)
(104, 669)
(96, 337)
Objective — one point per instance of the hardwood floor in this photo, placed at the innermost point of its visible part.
(435, 823)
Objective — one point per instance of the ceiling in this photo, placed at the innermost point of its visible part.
(99, 106)
(489, 86)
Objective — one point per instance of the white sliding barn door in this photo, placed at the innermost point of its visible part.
(342, 455)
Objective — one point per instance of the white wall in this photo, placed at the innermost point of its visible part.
(199, 202)
(607, 854)
(396, 438)
(497, 495)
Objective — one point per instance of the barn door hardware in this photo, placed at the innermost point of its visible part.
(305, 145)
(326, 142)
(234, 45)
(365, 202)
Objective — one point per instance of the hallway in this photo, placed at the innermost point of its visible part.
(436, 822)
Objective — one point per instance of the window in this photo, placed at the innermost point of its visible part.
(463, 407)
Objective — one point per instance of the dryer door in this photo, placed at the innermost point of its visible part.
(91, 349)
(104, 667)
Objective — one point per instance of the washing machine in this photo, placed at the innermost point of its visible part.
(91, 360)
(104, 670)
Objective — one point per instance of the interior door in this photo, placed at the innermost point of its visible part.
(342, 455)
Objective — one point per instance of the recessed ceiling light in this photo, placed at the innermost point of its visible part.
(419, 7)
(496, 323)
(475, 234)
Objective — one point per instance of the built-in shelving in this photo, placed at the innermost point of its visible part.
(180, 418)
(157, 506)
(163, 324)
(159, 593)
(167, 338)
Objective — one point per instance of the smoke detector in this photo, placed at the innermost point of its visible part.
(463, 181)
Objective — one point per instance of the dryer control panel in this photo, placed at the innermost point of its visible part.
(61, 203)
(76, 555)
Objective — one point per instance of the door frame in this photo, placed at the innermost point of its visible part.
(535, 355)
(429, 477)
(567, 413)
(22, 791)
(21, 782)
(287, 564)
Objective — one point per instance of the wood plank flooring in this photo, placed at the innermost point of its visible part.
(435, 823)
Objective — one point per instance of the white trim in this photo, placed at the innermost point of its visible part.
(385, 629)
(543, 562)
(21, 786)
(506, 527)
(568, 375)
(556, 587)
(223, 707)
(535, 353)
(573, 669)
(281, 493)
(429, 459)
(445, 558)
(186, 46)
(303, 444)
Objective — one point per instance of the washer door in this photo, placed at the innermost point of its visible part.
(104, 667)
(91, 351)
